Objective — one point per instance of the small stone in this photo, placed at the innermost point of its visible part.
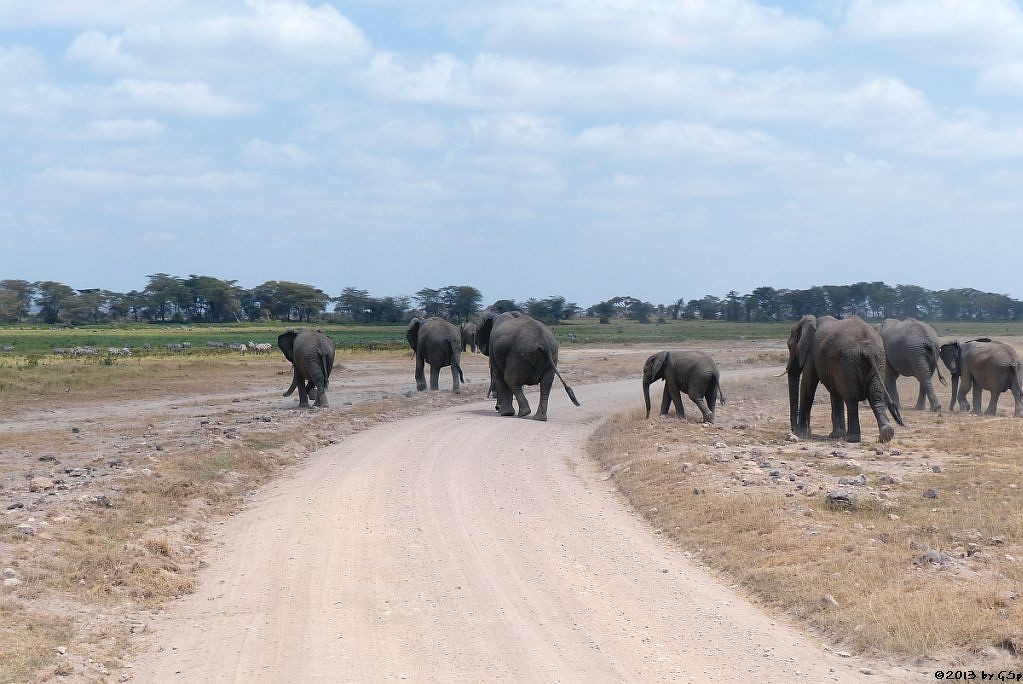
(894, 452)
(12, 583)
(720, 445)
(16, 504)
(859, 481)
(757, 452)
(103, 501)
(792, 438)
(931, 494)
(852, 463)
(62, 650)
(936, 468)
(828, 602)
(25, 528)
(997, 541)
(792, 477)
(76, 430)
(1004, 598)
(879, 451)
(653, 509)
(843, 654)
(840, 499)
(10, 572)
(137, 628)
(893, 516)
(1009, 557)
(775, 473)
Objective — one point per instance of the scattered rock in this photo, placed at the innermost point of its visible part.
(852, 463)
(10, 572)
(828, 602)
(137, 628)
(757, 452)
(931, 494)
(840, 499)
(792, 438)
(1004, 598)
(76, 430)
(62, 650)
(894, 452)
(935, 557)
(838, 453)
(888, 479)
(893, 516)
(859, 481)
(997, 541)
(16, 504)
(720, 445)
(936, 468)
(879, 451)
(25, 528)
(12, 583)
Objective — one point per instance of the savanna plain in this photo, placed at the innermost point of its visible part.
(116, 472)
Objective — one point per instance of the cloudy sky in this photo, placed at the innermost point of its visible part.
(590, 148)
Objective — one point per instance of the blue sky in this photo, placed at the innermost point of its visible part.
(591, 148)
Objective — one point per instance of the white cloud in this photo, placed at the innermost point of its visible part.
(186, 99)
(256, 39)
(964, 32)
(122, 129)
(683, 142)
(610, 30)
(20, 64)
(258, 151)
(105, 180)
(1004, 78)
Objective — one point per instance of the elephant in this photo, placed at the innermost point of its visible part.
(911, 349)
(692, 372)
(469, 337)
(848, 357)
(438, 343)
(983, 364)
(522, 351)
(311, 354)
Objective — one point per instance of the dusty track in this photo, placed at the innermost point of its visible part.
(459, 546)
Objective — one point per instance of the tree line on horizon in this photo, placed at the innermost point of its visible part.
(206, 299)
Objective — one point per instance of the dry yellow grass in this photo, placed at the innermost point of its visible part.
(788, 549)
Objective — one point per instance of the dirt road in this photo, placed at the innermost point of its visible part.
(458, 546)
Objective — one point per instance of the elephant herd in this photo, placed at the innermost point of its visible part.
(853, 360)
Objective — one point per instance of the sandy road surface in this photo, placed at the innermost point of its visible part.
(459, 546)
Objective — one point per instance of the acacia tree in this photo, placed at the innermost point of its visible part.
(15, 300)
(53, 299)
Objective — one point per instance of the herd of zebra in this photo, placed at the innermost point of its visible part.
(240, 347)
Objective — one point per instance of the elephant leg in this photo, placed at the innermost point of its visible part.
(434, 377)
(712, 398)
(807, 390)
(676, 398)
(303, 395)
(504, 394)
(852, 409)
(992, 407)
(927, 389)
(665, 401)
(837, 418)
(455, 387)
(977, 398)
(876, 399)
(520, 397)
(545, 392)
(1017, 396)
(705, 410)
(420, 377)
(955, 393)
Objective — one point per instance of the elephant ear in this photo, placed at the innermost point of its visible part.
(412, 333)
(801, 342)
(658, 361)
(950, 353)
(286, 341)
(483, 335)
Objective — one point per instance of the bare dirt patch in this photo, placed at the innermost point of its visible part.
(912, 549)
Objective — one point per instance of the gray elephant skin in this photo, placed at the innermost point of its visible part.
(911, 349)
(690, 372)
(848, 357)
(311, 354)
(469, 337)
(522, 351)
(983, 364)
(438, 343)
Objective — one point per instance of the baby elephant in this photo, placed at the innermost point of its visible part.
(983, 364)
(691, 372)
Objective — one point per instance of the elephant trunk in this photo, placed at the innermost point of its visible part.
(294, 384)
(646, 396)
(793, 398)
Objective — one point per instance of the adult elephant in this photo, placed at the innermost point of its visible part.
(692, 372)
(522, 351)
(983, 364)
(911, 349)
(848, 357)
(469, 337)
(438, 343)
(311, 354)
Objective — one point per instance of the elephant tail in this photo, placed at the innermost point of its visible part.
(875, 372)
(571, 394)
(717, 384)
(294, 385)
(454, 360)
(935, 366)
